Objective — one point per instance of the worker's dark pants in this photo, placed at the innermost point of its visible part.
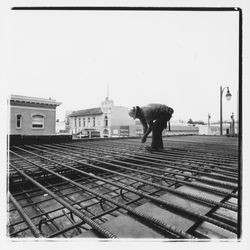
(157, 129)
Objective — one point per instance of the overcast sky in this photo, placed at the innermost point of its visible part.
(176, 58)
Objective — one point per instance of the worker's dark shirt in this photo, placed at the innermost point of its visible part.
(153, 111)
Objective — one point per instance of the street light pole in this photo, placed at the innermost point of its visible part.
(221, 91)
(208, 123)
(228, 97)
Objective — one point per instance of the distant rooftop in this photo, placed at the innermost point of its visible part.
(85, 112)
(35, 100)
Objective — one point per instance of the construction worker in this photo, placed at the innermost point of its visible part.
(154, 117)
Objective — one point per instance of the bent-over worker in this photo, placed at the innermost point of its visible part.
(154, 117)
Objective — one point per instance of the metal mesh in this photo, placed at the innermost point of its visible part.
(93, 188)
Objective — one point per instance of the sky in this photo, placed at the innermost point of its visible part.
(176, 58)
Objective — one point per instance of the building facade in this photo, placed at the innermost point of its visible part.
(104, 121)
(32, 116)
(228, 128)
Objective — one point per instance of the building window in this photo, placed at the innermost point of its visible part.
(37, 121)
(75, 122)
(93, 121)
(106, 121)
(84, 122)
(79, 122)
(88, 120)
(19, 121)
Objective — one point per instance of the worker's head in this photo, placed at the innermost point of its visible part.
(133, 112)
(170, 111)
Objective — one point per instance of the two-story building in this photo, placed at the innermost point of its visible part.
(104, 121)
(32, 115)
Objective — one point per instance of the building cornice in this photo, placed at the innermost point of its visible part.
(24, 100)
(48, 108)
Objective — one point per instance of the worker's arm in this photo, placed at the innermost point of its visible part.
(147, 131)
(144, 124)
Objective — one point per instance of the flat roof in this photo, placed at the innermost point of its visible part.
(34, 100)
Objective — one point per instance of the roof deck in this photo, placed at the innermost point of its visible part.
(116, 189)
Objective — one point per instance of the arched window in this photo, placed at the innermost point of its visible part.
(93, 121)
(37, 121)
(84, 122)
(19, 121)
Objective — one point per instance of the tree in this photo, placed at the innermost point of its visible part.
(200, 122)
(190, 121)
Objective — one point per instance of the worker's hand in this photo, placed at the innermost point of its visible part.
(143, 139)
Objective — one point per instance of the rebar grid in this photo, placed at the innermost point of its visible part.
(67, 189)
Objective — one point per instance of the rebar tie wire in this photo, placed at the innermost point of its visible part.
(79, 224)
(230, 178)
(163, 202)
(160, 156)
(190, 196)
(93, 224)
(194, 214)
(158, 223)
(65, 147)
(49, 220)
(26, 218)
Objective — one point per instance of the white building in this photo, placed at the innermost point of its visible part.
(104, 121)
(214, 129)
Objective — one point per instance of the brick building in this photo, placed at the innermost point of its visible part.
(32, 116)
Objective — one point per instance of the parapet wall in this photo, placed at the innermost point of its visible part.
(17, 140)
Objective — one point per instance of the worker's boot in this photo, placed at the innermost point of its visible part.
(150, 149)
